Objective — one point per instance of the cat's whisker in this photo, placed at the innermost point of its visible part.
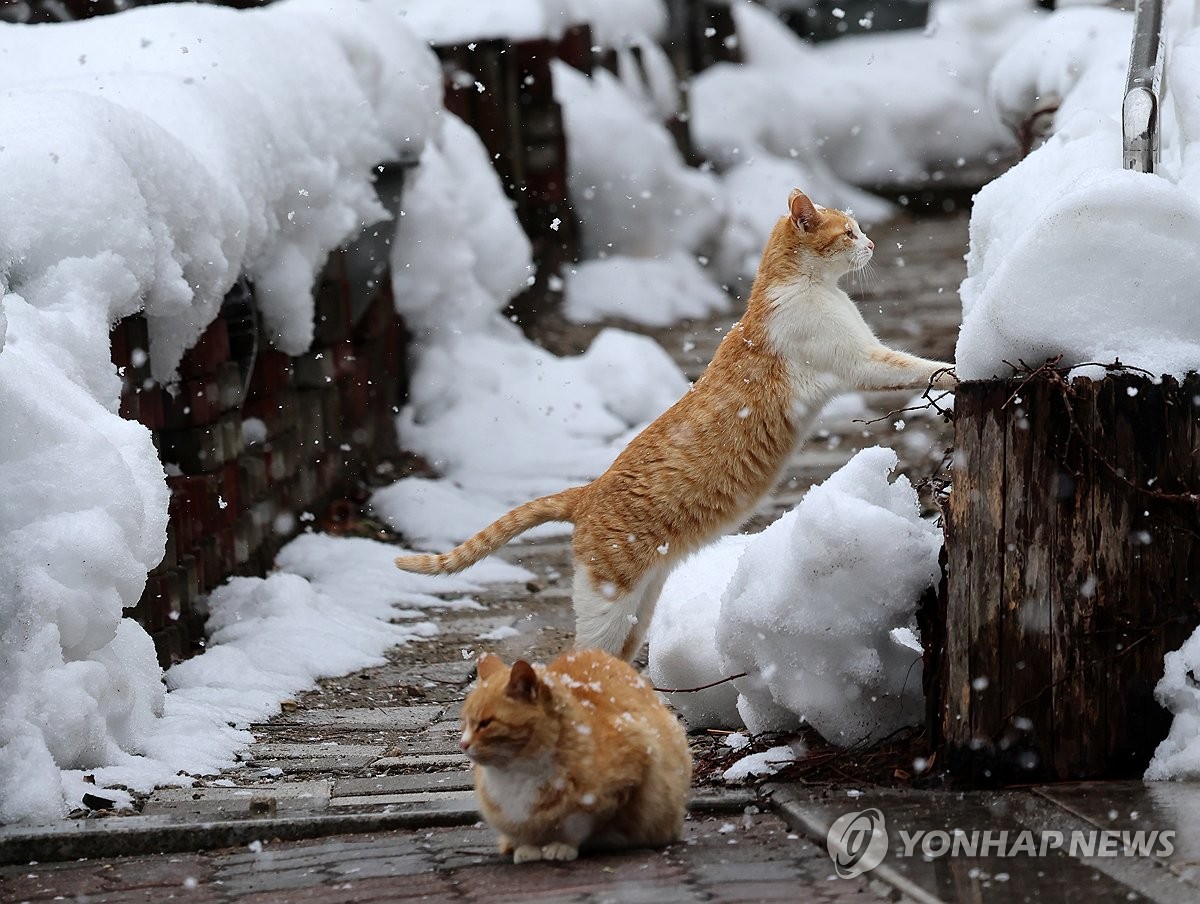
(868, 277)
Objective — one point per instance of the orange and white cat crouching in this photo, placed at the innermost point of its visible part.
(580, 753)
(701, 467)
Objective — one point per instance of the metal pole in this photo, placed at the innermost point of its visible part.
(1142, 106)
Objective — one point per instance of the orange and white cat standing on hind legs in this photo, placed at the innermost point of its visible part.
(581, 752)
(702, 466)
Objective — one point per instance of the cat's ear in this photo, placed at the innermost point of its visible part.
(804, 214)
(489, 664)
(522, 682)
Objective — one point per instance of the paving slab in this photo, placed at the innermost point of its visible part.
(457, 780)
(264, 799)
(405, 798)
(392, 718)
(1140, 806)
(327, 749)
(422, 760)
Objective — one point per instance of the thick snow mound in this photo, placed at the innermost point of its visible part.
(816, 610)
(882, 108)
(148, 159)
(504, 421)
(812, 608)
(649, 291)
(683, 635)
(163, 113)
(1075, 59)
(459, 252)
(1178, 756)
(1070, 254)
(628, 182)
(613, 22)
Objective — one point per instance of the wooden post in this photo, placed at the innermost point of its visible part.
(1073, 559)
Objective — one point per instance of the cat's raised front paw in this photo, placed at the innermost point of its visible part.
(944, 378)
(557, 850)
(527, 853)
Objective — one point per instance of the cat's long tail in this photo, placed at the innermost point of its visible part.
(558, 507)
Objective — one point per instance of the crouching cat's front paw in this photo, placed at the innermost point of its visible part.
(558, 850)
(555, 850)
(526, 853)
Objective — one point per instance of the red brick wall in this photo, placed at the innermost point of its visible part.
(328, 414)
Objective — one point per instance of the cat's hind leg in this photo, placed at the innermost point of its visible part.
(609, 618)
(648, 599)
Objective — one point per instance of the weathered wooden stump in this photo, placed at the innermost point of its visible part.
(1073, 541)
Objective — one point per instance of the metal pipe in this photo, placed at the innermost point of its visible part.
(1141, 108)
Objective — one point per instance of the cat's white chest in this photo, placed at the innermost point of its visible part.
(515, 792)
(821, 334)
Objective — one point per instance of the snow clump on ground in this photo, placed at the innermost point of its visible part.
(817, 610)
(1178, 756)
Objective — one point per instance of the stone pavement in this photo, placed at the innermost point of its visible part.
(357, 791)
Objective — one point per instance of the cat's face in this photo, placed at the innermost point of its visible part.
(830, 235)
(507, 715)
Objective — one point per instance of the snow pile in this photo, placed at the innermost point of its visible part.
(877, 108)
(1070, 254)
(613, 22)
(149, 158)
(501, 419)
(817, 613)
(504, 421)
(1178, 756)
(458, 248)
(643, 212)
(869, 109)
(335, 605)
(656, 291)
(683, 635)
(632, 190)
